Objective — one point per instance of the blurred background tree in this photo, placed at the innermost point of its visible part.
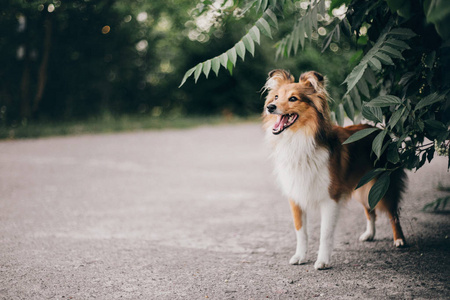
(72, 60)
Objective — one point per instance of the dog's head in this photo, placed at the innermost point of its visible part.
(298, 105)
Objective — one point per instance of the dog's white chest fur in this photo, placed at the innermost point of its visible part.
(301, 167)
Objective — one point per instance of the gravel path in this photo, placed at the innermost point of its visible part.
(193, 214)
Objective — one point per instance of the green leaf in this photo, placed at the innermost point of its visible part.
(430, 154)
(395, 5)
(337, 3)
(363, 88)
(340, 116)
(360, 134)
(372, 113)
(349, 109)
(437, 11)
(289, 45)
(240, 49)
(436, 129)
(356, 98)
(392, 52)
(264, 4)
(280, 48)
(224, 59)
(326, 41)
(402, 33)
(369, 176)
(395, 117)
(230, 67)
(232, 55)
(321, 7)
(207, 67)
(295, 38)
(428, 100)
(375, 64)
(356, 57)
(421, 125)
(369, 76)
(249, 44)
(272, 17)
(215, 64)
(337, 34)
(308, 24)
(379, 188)
(346, 29)
(186, 76)
(264, 27)
(385, 59)
(255, 34)
(278, 52)
(356, 74)
(383, 101)
(258, 5)
(392, 153)
(377, 143)
(406, 78)
(362, 40)
(314, 17)
(301, 34)
(398, 44)
(198, 71)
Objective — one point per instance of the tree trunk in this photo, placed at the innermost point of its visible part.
(42, 75)
(25, 110)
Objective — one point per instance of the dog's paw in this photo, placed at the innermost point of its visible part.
(321, 265)
(297, 259)
(367, 236)
(399, 243)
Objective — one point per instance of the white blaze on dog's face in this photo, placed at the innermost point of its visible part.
(295, 105)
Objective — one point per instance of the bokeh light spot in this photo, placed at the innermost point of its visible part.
(142, 45)
(106, 29)
(142, 16)
(127, 18)
(322, 31)
(334, 47)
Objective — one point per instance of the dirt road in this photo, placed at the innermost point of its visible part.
(193, 214)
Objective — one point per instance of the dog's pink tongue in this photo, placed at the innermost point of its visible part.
(279, 124)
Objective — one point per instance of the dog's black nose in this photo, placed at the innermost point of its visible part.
(271, 108)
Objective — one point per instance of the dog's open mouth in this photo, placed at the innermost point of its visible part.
(283, 122)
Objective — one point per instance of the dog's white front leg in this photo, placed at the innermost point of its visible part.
(329, 211)
(302, 243)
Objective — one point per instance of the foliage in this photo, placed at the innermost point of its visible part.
(108, 123)
(400, 79)
(70, 61)
(97, 53)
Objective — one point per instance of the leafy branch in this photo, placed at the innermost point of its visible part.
(228, 59)
(406, 74)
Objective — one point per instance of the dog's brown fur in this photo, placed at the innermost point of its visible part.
(347, 162)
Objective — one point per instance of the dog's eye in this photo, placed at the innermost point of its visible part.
(276, 97)
(292, 99)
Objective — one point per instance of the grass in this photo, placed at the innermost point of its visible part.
(109, 124)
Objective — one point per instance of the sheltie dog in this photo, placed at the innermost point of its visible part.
(314, 168)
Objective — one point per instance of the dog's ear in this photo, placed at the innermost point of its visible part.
(277, 78)
(313, 79)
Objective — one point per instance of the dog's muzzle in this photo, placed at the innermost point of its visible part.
(271, 108)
